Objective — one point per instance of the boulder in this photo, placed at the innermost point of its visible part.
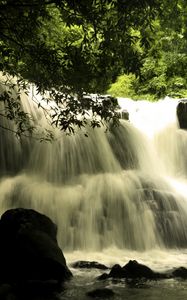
(182, 114)
(180, 272)
(82, 264)
(132, 270)
(29, 250)
(117, 272)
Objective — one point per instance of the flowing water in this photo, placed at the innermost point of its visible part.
(115, 195)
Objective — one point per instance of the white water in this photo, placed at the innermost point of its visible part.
(114, 196)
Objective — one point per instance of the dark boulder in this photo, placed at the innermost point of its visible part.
(82, 264)
(117, 272)
(180, 272)
(132, 270)
(29, 249)
(182, 114)
(135, 270)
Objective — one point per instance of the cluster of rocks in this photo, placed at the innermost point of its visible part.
(132, 270)
(135, 270)
(132, 273)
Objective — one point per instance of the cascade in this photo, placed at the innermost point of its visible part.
(126, 188)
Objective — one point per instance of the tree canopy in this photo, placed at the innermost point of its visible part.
(71, 48)
(164, 62)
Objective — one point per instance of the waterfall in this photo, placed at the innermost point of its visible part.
(125, 188)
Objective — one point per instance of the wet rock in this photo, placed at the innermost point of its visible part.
(117, 272)
(135, 270)
(166, 210)
(125, 114)
(180, 272)
(107, 100)
(132, 270)
(120, 140)
(82, 264)
(101, 293)
(182, 113)
(29, 249)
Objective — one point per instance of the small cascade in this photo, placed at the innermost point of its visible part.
(120, 188)
(13, 151)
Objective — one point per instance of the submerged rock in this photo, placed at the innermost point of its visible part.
(82, 264)
(29, 251)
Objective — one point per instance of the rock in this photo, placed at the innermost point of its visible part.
(182, 114)
(120, 141)
(125, 114)
(107, 100)
(180, 272)
(29, 249)
(132, 270)
(101, 293)
(117, 272)
(89, 265)
(135, 270)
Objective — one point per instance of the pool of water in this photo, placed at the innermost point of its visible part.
(85, 280)
(165, 289)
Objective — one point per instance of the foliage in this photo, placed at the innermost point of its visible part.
(164, 74)
(164, 62)
(124, 86)
(69, 49)
(74, 47)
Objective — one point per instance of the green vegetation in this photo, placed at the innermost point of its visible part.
(75, 47)
(70, 48)
(123, 87)
(164, 63)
